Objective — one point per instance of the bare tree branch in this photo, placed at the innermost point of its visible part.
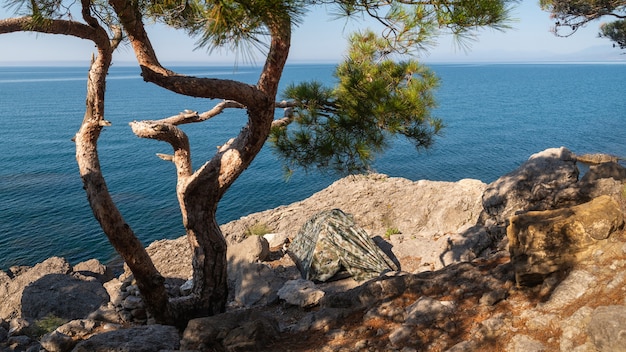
(65, 27)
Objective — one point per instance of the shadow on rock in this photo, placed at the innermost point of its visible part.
(62, 296)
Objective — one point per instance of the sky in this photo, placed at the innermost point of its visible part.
(321, 39)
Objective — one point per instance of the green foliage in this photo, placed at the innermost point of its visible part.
(615, 31)
(376, 98)
(232, 24)
(411, 25)
(258, 229)
(391, 231)
(570, 15)
(47, 324)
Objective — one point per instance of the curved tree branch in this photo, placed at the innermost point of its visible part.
(171, 134)
(64, 27)
(152, 70)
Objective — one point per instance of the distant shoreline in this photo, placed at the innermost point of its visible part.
(85, 63)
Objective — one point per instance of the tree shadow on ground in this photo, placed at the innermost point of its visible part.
(62, 296)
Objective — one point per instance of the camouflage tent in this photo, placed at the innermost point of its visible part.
(331, 240)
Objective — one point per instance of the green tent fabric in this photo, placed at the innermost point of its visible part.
(331, 240)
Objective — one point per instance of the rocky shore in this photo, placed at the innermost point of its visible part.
(534, 261)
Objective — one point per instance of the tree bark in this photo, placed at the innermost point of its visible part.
(199, 192)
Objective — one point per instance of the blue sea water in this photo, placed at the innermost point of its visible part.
(497, 115)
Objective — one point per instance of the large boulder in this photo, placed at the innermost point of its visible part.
(62, 296)
(239, 330)
(11, 291)
(532, 186)
(544, 242)
(147, 338)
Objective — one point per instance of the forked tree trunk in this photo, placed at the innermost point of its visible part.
(200, 191)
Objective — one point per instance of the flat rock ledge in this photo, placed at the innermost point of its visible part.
(535, 261)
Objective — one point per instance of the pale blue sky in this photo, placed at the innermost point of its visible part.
(319, 38)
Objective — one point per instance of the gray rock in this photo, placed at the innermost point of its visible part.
(492, 297)
(492, 327)
(132, 302)
(62, 296)
(276, 240)
(80, 328)
(532, 186)
(538, 321)
(57, 342)
(389, 310)
(463, 346)
(11, 296)
(255, 284)
(607, 328)
(92, 268)
(401, 334)
(115, 292)
(573, 329)
(300, 292)
(238, 330)
(18, 326)
(186, 287)
(106, 313)
(250, 250)
(148, 338)
(172, 258)
(19, 343)
(250, 336)
(605, 170)
(523, 343)
(426, 310)
(571, 289)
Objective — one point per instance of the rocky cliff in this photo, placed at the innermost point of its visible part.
(531, 262)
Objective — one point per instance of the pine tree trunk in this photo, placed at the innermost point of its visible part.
(121, 236)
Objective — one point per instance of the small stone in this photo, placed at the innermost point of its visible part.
(462, 346)
(126, 316)
(523, 343)
(139, 314)
(18, 326)
(114, 289)
(185, 289)
(492, 327)
(276, 239)
(492, 297)
(359, 345)
(400, 335)
(19, 343)
(132, 302)
(301, 293)
(57, 342)
(426, 310)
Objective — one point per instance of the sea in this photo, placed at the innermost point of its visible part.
(496, 117)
